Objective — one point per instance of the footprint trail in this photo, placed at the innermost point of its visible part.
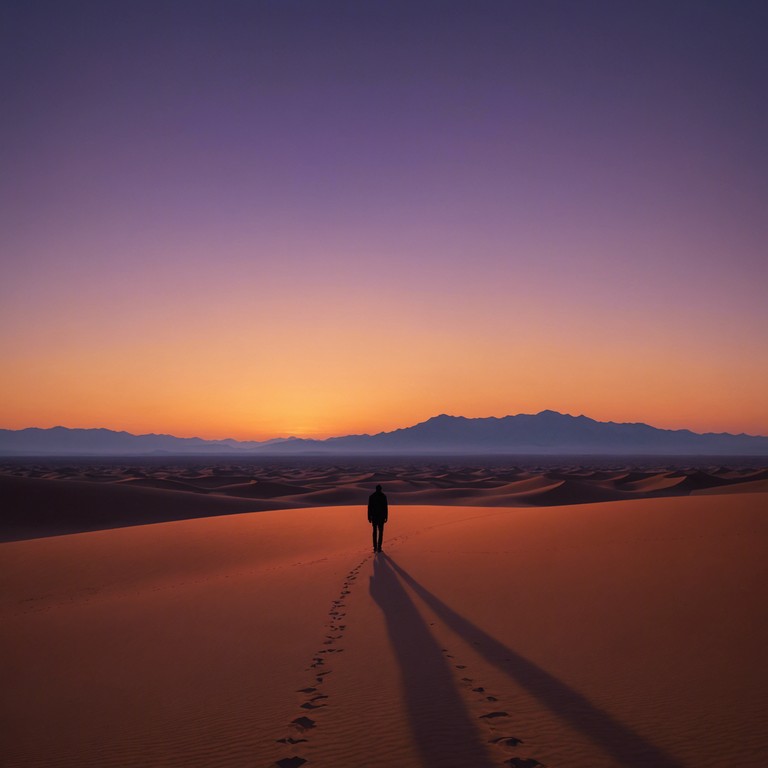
(495, 718)
(313, 699)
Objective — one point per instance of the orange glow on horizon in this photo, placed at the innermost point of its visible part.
(335, 379)
(217, 403)
(206, 356)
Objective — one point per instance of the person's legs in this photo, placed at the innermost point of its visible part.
(373, 529)
(380, 527)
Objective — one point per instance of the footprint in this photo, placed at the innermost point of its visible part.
(303, 723)
(306, 690)
(506, 741)
(479, 690)
(290, 740)
(290, 762)
(522, 762)
(493, 715)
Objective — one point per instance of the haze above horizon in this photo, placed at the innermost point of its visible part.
(271, 219)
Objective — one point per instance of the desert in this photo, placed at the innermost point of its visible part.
(503, 259)
(501, 625)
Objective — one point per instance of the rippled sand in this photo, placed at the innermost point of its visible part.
(625, 633)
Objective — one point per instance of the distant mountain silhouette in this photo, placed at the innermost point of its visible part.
(547, 432)
(64, 441)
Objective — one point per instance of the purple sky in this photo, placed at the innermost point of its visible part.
(573, 186)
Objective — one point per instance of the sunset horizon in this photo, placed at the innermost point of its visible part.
(395, 425)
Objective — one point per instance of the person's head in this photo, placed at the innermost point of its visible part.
(378, 488)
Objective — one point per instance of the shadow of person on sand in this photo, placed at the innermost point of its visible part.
(623, 744)
(443, 730)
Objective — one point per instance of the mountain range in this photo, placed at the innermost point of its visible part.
(548, 432)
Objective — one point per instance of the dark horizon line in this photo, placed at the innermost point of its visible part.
(501, 455)
(386, 432)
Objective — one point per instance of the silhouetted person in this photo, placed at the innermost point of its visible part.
(378, 513)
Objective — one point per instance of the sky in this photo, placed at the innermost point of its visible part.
(264, 218)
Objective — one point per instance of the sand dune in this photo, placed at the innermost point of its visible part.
(528, 484)
(262, 489)
(661, 481)
(573, 492)
(111, 494)
(34, 507)
(748, 486)
(627, 633)
(163, 483)
(333, 496)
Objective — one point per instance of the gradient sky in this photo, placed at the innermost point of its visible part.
(250, 219)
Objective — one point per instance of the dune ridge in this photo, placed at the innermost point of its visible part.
(45, 498)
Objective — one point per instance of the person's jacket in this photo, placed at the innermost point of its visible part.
(377, 508)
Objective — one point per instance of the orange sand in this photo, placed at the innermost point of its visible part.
(627, 633)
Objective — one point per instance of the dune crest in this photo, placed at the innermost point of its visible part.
(53, 497)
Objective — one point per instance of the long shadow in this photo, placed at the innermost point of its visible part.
(443, 731)
(625, 745)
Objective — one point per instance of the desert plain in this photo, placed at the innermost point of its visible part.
(192, 613)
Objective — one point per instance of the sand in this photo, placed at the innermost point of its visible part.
(53, 497)
(625, 633)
